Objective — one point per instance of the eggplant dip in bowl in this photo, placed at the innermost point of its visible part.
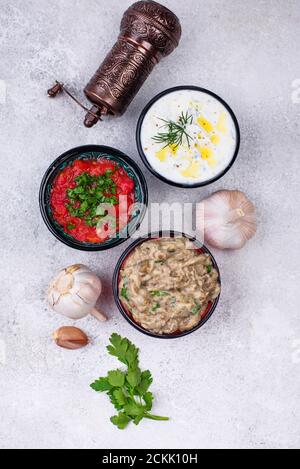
(167, 286)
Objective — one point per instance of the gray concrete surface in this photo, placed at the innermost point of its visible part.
(235, 383)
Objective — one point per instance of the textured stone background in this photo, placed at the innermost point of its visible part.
(235, 383)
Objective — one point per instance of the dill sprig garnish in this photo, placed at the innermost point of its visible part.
(175, 131)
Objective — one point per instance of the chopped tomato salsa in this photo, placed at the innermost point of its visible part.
(92, 199)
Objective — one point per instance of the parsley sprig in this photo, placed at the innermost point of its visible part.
(89, 193)
(158, 293)
(127, 390)
(196, 309)
(124, 293)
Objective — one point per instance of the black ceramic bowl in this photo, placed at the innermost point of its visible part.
(144, 158)
(116, 280)
(93, 152)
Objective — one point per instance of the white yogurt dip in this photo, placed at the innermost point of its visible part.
(207, 145)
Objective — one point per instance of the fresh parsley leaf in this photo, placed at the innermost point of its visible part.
(124, 350)
(133, 377)
(155, 306)
(133, 409)
(90, 191)
(196, 309)
(209, 269)
(84, 206)
(146, 380)
(131, 356)
(112, 200)
(120, 397)
(71, 226)
(138, 419)
(121, 420)
(148, 399)
(127, 391)
(101, 385)
(124, 293)
(116, 378)
(159, 293)
(115, 402)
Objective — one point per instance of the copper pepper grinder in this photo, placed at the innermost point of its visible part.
(148, 32)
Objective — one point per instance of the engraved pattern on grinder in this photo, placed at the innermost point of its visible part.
(148, 32)
(160, 14)
(153, 22)
(123, 71)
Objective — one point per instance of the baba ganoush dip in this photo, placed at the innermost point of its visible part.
(167, 285)
(189, 136)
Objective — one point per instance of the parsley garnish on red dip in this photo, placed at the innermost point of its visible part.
(85, 199)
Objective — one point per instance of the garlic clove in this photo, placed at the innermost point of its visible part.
(72, 306)
(64, 281)
(70, 337)
(86, 292)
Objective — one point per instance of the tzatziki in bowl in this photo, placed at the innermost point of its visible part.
(188, 136)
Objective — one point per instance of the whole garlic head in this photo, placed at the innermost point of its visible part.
(74, 292)
(229, 219)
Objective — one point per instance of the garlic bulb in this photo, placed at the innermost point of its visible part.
(229, 219)
(74, 292)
